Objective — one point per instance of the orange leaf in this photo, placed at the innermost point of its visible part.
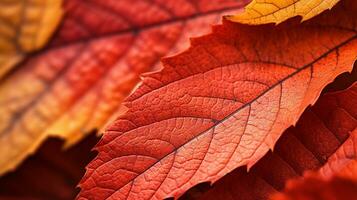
(76, 84)
(25, 27)
(219, 105)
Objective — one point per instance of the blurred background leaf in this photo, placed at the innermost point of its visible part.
(25, 26)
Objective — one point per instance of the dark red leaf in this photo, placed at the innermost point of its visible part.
(50, 174)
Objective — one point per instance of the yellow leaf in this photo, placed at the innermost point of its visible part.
(276, 11)
(25, 26)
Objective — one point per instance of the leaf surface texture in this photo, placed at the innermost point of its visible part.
(323, 141)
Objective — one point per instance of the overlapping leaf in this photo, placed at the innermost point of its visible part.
(314, 187)
(337, 179)
(322, 140)
(219, 105)
(25, 26)
(344, 161)
(276, 11)
(77, 83)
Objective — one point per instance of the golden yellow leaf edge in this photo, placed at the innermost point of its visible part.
(276, 11)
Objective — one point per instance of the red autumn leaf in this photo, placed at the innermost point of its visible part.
(319, 141)
(344, 161)
(313, 187)
(219, 105)
(337, 179)
(77, 83)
